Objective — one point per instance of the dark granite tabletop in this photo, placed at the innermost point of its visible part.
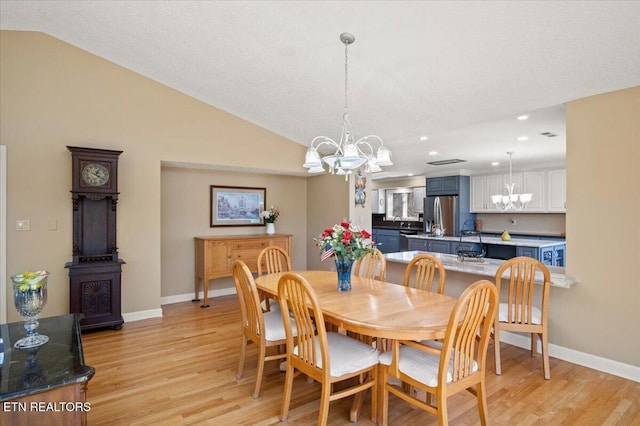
(59, 362)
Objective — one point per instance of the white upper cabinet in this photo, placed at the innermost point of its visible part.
(557, 190)
(534, 183)
(378, 201)
(482, 188)
(419, 193)
(548, 188)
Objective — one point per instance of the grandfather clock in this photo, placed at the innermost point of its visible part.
(95, 271)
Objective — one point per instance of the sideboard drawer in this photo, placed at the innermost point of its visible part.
(250, 244)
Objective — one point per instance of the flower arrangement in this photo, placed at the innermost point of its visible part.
(29, 280)
(345, 242)
(271, 215)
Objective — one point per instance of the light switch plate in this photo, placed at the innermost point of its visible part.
(23, 225)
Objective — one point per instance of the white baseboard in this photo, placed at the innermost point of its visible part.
(605, 365)
(140, 315)
(188, 297)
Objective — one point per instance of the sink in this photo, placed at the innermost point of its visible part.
(408, 232)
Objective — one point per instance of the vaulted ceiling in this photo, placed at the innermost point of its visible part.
(457, 72)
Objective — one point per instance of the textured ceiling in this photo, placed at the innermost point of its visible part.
(458, 72)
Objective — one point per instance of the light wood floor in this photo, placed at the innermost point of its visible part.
(180, 370)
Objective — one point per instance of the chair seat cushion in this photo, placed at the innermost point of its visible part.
(503, 310)
(346, 355)
(420, 365)
(273, 327)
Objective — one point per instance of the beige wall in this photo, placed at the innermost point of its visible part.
(52, 95)
(601, 315)
(185, 214)
(328, 204)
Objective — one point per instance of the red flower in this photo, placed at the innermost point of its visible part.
(345, 225)
(365, 234)
(346, 237)
(327, 232)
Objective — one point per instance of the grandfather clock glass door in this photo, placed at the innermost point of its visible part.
(95, 272)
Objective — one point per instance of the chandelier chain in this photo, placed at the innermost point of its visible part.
(346, 76)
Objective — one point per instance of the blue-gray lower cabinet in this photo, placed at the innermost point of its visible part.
(550, 255)
(388, 240)
(439, 246)
(418, 244)
(429, 245)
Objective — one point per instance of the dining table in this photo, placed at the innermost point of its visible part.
(374, 308)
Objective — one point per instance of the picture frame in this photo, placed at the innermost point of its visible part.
(236, 206)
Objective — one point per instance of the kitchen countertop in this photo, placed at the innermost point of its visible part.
(525, 242)
(486, 268)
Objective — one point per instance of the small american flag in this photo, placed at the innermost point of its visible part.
(327, 253)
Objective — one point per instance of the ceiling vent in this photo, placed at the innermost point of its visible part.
(445, 162)
(549, 134)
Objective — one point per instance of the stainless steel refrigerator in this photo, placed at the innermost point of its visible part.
(442, 210)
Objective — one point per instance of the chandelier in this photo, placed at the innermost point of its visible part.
(347, 154)
(511, 201)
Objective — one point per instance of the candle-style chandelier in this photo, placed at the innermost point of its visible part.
(511, 201)
(347, 154)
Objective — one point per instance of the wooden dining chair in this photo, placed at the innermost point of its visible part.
(373, 265)
(519, 313)
(420, 273)
(265, 329)
(326, 357)
(271, 260)
(445, 369)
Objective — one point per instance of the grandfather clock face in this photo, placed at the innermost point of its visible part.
(95, 174)
(94, 192)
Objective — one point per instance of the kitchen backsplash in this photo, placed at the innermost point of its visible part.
(524, 223)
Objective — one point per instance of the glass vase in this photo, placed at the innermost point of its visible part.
(29, 297)
(343, 267)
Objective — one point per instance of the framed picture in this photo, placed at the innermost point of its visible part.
(237, 206)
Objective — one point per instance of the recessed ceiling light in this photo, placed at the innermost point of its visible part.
(495, 163)
(523, 138)
(424, 138)
(523, 117)
(433, 152)
(410, 174)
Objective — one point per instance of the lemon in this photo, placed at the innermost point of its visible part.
(23, 288)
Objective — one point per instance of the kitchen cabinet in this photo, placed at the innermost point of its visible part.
(534, 183)
(418, 244)
(388, 240)
(557, 190)
(548, 189)
(482, 188)
(418, 199)
(445, 185)
(423, 244)
(439, 246)
(550, 255)
(378, 201)
(553, 256)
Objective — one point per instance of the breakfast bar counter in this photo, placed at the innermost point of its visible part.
(397, 262)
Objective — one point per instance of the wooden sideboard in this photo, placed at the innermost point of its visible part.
(214, 256)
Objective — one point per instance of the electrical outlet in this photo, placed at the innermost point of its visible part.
(23, 225)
